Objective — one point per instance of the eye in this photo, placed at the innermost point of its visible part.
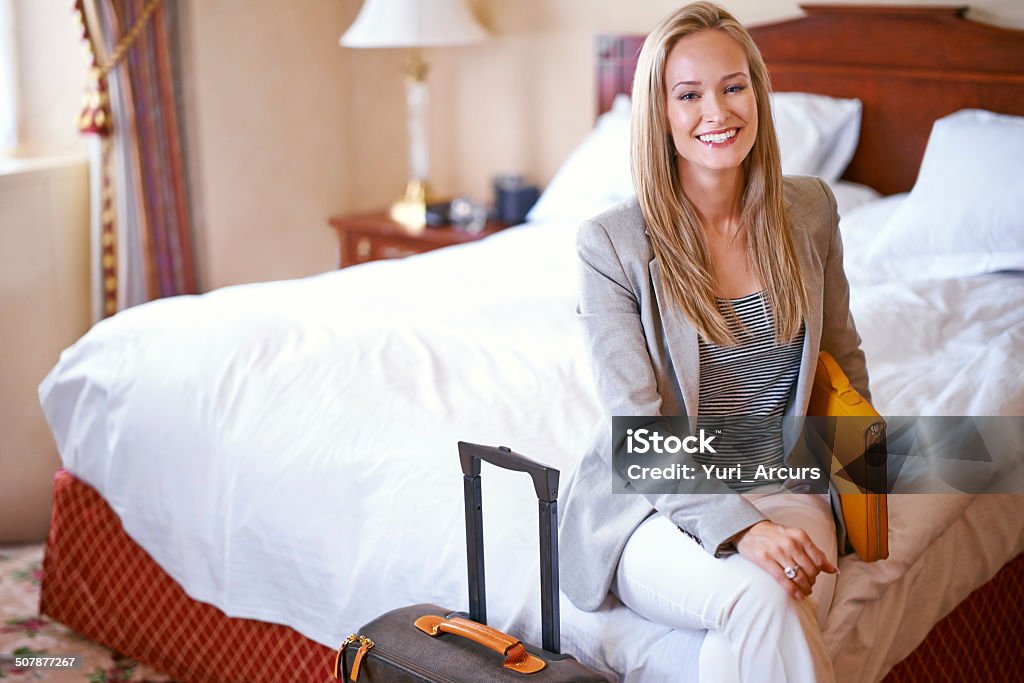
(735, 88)
(688, 96)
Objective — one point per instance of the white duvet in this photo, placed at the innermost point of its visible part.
(287, 451)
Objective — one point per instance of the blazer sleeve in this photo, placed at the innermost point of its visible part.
(839, 332)
(627, 386)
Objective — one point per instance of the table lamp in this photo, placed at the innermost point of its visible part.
(414, 24)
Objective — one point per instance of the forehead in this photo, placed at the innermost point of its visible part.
(706, 57)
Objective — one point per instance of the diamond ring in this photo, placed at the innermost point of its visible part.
(789, 572)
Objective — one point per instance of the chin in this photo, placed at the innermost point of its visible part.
(723, 164)
(727, 165)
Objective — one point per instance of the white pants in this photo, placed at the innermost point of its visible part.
(756, 631)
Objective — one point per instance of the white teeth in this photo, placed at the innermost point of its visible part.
(719, 137)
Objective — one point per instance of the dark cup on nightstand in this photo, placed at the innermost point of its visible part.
(513, 198)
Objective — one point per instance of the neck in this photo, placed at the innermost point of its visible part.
(716, 197)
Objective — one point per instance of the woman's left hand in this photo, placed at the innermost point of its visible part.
(774, 547)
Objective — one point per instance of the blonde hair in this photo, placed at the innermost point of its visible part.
(675, 230)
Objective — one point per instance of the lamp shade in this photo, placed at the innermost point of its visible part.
(413, 23)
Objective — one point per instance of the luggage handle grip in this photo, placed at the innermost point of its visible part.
(545, 479)
(516, 656)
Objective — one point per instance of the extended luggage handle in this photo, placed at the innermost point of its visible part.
(545, 483)
(516, 656)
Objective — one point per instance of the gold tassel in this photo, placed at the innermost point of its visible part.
(95, 117)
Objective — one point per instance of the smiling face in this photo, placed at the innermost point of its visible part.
(710, 103)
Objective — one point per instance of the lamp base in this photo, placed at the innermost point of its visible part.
(411, 210)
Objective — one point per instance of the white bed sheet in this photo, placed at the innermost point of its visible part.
(251, 438)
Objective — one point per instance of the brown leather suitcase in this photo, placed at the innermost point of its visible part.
(427, 643)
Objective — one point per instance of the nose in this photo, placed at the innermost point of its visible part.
(714, 108)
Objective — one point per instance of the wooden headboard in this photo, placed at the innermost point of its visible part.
(908, 65)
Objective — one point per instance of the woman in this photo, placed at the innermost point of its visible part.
(711, 294)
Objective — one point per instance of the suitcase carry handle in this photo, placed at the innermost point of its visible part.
(516, 656)
(545, 483)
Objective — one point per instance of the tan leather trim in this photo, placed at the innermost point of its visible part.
(516, 656)
(358, 660)
(338, 659)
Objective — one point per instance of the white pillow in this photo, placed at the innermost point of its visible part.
(849, 195)
(595, 176)
(817, 134)
(860, 227)
(965, 214)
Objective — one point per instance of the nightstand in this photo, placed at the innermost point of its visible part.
(374, 236)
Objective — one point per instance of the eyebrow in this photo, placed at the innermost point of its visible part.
(724, 78)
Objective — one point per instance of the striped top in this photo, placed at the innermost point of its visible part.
(750, 380)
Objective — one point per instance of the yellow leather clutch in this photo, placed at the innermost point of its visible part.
(858, 458)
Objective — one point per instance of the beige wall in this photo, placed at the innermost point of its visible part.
(52, 66)
(44, 307)
(267, 101)
(44, 228)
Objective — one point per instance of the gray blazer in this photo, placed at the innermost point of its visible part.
(646, 363)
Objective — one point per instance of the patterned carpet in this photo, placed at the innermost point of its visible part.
(24, 632)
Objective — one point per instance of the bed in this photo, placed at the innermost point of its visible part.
(236, 517)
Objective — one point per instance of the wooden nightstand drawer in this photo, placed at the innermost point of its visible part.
(362, 247)
(373, 237)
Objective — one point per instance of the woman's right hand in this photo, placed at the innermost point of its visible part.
(773, 547)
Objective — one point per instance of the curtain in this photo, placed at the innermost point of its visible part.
(142, 228)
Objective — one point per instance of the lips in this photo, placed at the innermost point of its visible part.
(718, 137)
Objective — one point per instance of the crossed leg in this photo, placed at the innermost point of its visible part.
(756, 631)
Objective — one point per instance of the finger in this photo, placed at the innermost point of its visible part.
(802, 582)
(796, 548)
(776, 572)
(814, 553)
(799, 580)
(805, 564)
(821, 560)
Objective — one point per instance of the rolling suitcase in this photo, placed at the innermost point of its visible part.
(425, 643)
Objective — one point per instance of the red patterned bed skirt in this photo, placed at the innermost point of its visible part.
(99, 582)
(982, 639)
(102, 584)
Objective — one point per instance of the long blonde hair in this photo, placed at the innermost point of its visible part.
(675, 230)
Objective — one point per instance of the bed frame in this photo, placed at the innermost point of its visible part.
(909, 66)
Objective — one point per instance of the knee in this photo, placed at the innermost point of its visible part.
(762, 598)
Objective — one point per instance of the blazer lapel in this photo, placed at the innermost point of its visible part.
(681, 339)
(814, 280)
